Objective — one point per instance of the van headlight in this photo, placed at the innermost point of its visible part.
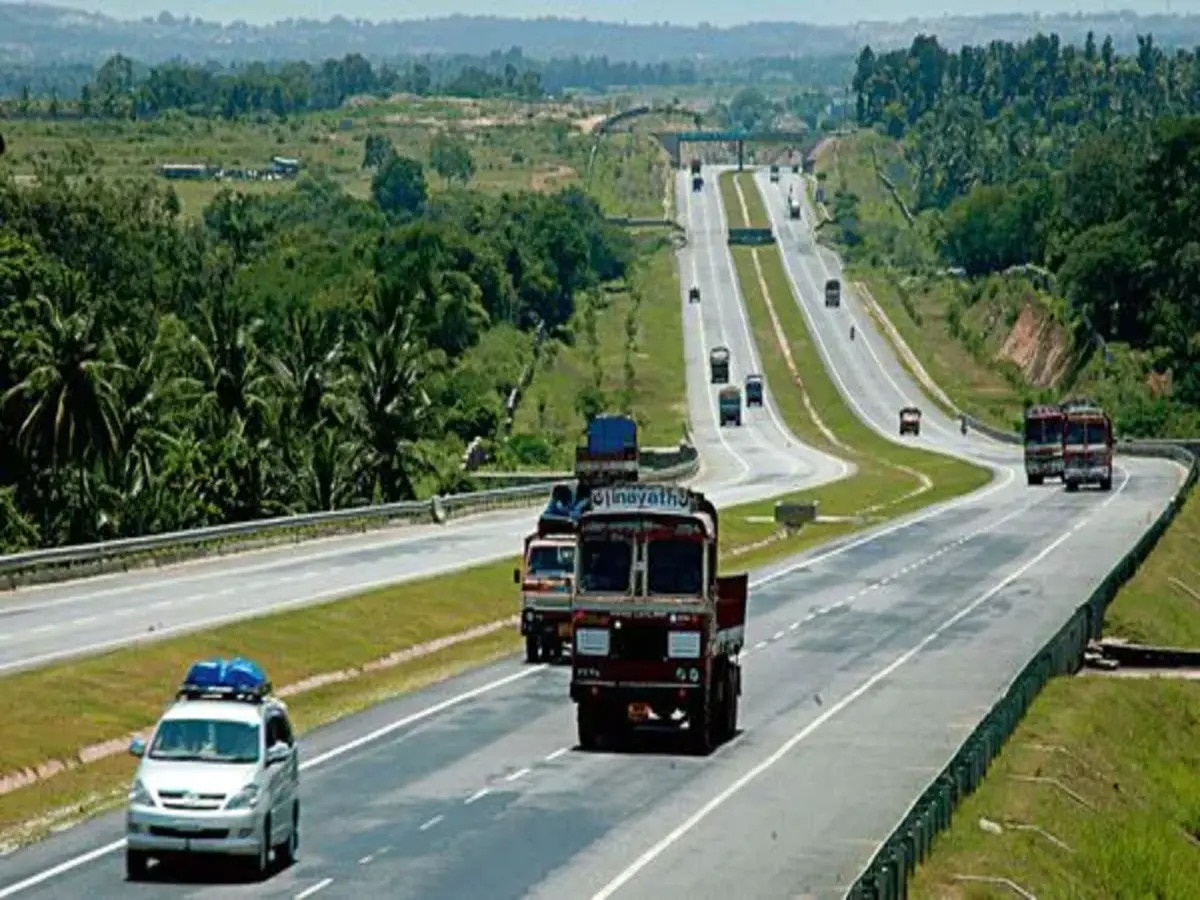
(246, 798)
(139, 794)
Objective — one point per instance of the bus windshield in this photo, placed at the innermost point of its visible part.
(675, 567)
(1043, 431)
(606, 566)
(1086, 433)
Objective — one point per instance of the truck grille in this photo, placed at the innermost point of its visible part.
(638, 642)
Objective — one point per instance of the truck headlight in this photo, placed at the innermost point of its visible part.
(139, 794)
(246, 798)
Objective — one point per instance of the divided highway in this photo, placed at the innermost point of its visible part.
(41, 624)
(867, 663)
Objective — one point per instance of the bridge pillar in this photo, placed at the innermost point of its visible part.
(741, 147)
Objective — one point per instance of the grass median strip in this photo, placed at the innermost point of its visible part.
(1096, 793)
(889, 476)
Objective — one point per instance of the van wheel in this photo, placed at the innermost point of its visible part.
(262, 861)
(287, 852)
(532, 648)
(137, 865)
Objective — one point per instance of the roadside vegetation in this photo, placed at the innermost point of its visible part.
(1056, 206)
(288, 349)
(1116, 757)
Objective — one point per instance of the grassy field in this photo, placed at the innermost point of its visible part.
(643, 377)
(515, 146)
(1128, 747)
(957, 329)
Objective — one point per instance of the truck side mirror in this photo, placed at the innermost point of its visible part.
(516, 576)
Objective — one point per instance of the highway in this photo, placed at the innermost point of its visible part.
(867, 662)
(761, 459)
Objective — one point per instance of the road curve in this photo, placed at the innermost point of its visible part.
(868, 662)
(42, 624)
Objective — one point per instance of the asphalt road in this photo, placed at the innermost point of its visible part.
(867, 663)
(761, 459)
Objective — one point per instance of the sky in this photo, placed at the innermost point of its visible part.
(679, 12)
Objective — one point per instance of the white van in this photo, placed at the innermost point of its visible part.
(220, 775)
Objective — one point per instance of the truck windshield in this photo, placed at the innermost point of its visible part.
(1043, 431)
(675, 567)
(1086, 433)
(549, 560)
(205, 740)
(606, 566)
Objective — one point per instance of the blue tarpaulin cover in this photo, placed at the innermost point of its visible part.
(237, 675)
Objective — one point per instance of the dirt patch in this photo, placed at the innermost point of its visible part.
(1039, 346)
(588, 124)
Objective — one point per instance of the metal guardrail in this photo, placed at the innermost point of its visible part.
(20, 567)
(886, 876)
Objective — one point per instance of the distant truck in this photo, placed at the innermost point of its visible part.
(729, 406)
(793, 206)
(1043, 443)
(693, 294)
(1087, 445)
(609, 456)
(910, 421)
(695, 167)
(718, 361)
(833, 293)
(697, 184)
(657, 633)
(774, 174)
(754, 390)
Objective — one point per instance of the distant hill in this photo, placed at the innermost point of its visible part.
(32, 34)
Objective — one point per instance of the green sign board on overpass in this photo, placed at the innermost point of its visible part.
(753, 237)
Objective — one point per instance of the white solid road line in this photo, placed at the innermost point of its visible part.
(319, 886)
(708, 808)
(91, 855)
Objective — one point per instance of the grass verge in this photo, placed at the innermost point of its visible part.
(1120, 755)
(889, 476)
(624, 352)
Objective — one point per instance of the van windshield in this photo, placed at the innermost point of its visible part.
(206, 740)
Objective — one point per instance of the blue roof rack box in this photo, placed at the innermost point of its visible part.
(233, 679)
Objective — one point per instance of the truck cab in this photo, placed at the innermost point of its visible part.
(729, 406)
(1087, 445)
(774, 174)
(694, 294)
(910, 421)
(833, 293)
(718, 361)
(1043, 443)
(754, 390)
(657, 632)
(793, 205)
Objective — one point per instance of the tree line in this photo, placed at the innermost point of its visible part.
(300, 351)
(1073, 158)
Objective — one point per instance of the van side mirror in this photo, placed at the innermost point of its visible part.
(137, 747)
(278, 753)
(516, 576)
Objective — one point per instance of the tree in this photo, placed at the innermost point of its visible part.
(377, 150)
(752, 110)
(450, 157)
(399, 187)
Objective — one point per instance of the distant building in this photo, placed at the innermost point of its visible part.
(193, 171)
(281, 165)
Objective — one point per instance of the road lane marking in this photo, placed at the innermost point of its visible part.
(628, 874)
(550, 757)
(520, 773)
(308, 892)
(427, 825)
(478, 795)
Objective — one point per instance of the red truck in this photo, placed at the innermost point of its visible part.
(1043, 443)
(1087, 445)
(657, 632)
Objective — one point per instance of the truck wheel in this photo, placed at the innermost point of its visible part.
(1034, 480)
(1072, 487)
(587, 722)
(1106, 484)
(532, 648)
(731, 705)
(700, 727)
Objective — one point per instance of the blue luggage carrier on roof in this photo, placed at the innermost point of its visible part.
(225, 679)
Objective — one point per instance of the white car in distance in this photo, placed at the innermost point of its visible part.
(220, 775)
